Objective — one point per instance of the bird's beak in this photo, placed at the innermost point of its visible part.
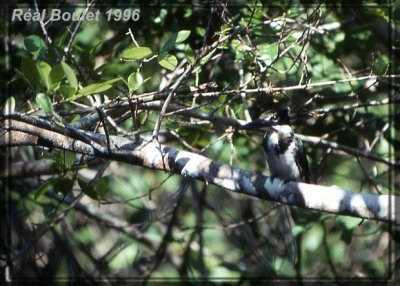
(259, 124)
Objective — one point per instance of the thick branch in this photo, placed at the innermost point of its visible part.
(26, 169)
(160, 157)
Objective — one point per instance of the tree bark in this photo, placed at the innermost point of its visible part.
(153, 155)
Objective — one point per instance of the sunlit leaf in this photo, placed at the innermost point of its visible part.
(207, 57)
(136, 53)
(268, 52)
(67, 92)
(349, 222)
(124, 257)
(174, 40)
(313, 238)
(70, 74)
(98, 87)
(135, 80)
(44, 103)
(44, 71)
(190, 55)
(95, 88)
(56, 75)
(167, 61)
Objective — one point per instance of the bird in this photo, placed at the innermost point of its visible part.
(285, 154)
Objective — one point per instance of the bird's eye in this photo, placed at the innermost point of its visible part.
(275, 117)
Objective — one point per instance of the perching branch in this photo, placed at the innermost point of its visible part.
(161, 157)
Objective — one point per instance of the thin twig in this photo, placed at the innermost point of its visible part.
(77, 26)
(356, 152)
(188, 70)
(45, 33)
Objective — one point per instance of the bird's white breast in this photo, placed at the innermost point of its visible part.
(282, 165)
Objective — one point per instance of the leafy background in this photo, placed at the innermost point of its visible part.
(108, 220)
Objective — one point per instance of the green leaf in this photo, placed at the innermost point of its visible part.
(201, 31)
(174, 40)
(69, 158)
(349, 222)
(268, 52)
(44, 103)
(70, 74)
(313, 238)
(381, 64)
(9, 106)
(42, 189)
(97, 87)
(58, 72)
(135, 80)
(63, 185)
(161, 18)
(102, 186)
(286, 268)
(206, 58)
(182, 35)
(35, 45)
(167, 61)
(97, 192)
(63, 160)
(136, 53)
(297, 229)
(337, 249)
(56, 75)
(30, 72)
(44, 71)
(87, 189)
(67, 92)
(190, 55)
(125, 257)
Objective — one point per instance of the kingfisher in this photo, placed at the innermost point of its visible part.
(284, 151)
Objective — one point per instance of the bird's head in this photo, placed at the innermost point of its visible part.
(278, 121)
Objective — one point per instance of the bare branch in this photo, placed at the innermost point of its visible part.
(28, 168)
(160, 157)
(353, 151)
(107, 219)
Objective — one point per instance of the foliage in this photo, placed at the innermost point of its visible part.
(92, 219)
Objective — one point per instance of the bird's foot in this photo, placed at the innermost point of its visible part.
(272, 178)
